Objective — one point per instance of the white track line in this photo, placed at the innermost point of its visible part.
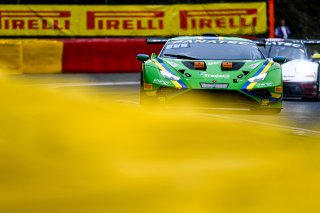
(296, 129)
(124, 83)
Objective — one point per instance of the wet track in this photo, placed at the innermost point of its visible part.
(301, 117)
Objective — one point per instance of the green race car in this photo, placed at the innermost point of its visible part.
(211, 71)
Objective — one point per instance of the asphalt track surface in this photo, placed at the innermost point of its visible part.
(299, 117)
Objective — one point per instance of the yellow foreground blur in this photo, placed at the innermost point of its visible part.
(66, 153)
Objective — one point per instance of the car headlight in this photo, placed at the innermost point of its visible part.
(169, 76)
(258, 78)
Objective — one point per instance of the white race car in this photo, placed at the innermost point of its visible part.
(300, 72)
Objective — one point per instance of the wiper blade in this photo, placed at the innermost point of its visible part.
(181, 56)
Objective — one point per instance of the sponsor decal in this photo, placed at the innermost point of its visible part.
(218, 19)
(266, 84)
(174, 65)
(289, 76)
(285, 44)
(134, 20)
(125, 20)
(253, 66)
(162, 82)
(177, 46)
(214, 85)
(226, 76)
(213, 63)
(34, 20)
(206, 41)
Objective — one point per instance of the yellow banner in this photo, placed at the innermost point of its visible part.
(144, 20)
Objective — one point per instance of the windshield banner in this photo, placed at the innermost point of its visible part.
(142, 20)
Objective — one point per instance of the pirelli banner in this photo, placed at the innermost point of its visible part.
(142, 20)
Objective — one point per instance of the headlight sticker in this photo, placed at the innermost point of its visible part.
(263, 69)
(164, 68)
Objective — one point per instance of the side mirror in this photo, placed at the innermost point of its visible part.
(142, 57)
(279, 59)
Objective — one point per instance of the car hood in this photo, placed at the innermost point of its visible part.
(216, 73)
(213, 68)
(299, 71)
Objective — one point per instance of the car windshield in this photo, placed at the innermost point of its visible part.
(288, 52)
(211, 50)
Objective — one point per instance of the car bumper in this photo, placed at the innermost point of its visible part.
(218, 98)
(300, 89)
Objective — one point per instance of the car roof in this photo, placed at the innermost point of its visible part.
(210, 38)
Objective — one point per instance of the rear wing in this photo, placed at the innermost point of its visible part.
(157, 40)
(265, 41)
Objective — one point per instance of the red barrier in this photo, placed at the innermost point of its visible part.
(104, 54)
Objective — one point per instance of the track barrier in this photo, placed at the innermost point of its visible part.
(42, 56)
(83, 55)
(10, 57)
(104, 55)
(30, 56)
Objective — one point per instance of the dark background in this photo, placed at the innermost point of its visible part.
(302, 16)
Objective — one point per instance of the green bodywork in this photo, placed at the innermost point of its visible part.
(270, 89)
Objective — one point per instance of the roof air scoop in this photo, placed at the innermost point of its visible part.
(209, 35)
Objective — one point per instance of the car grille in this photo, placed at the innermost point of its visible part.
(209, 98)
(292, 89)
